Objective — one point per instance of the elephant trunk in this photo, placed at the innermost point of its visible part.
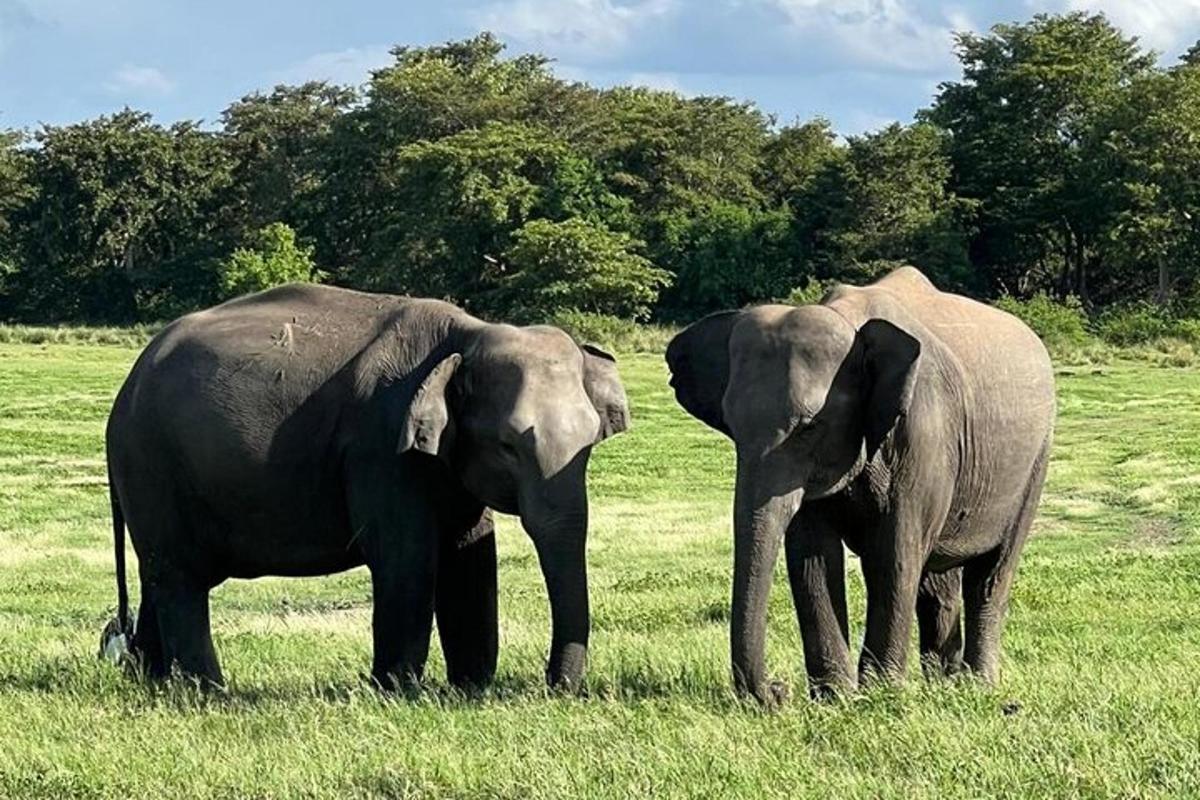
(564, 566)
(760, 520)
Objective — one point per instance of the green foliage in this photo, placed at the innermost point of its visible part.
(577, 266)
(1058, 323)
(615, 334)
(280, 143)
(1026, 145)
(891, 205)
(806, 294)
(272, 257)
(124, 221)
(725, 255)
(1064, 160)
(451, 207)
(1143, 323)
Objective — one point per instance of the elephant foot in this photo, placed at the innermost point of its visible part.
(397, 682)
(872, 674)
(831, 688)
(770, 694)
(935, 666)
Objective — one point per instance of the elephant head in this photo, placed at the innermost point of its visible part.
(807, 399)
(515, 414)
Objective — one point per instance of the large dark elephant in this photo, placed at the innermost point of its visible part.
(307, 430)
(909, 424)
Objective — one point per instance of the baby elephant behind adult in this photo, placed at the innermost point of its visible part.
(307, 430)
(910, 424)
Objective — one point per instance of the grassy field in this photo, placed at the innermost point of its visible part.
(1100, 695)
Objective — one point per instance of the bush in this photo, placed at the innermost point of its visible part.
(578, 266)
(613, 333)
(1136, 324)
(136, 336)
(808, 294)
(1057, 323)
(272, 258)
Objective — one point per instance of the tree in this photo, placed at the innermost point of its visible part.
(448, 208)
(689, 167)
(889, 203)
(426, 94)
(279, 144)
(795, 157)
(271, 258)
(577, 266)
(1152, 140)
(726, 256)
(15, 191)
(1023, 123)
(126, 220)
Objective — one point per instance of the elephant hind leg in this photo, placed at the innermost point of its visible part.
(147, 641)
(178, 634)
(467, 614)
(987, 583)
(939, 620)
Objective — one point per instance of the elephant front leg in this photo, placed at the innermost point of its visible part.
(467, 614)
(398, 532)
(816, 571)
(939, 620)
(402, 621)
(892, 571)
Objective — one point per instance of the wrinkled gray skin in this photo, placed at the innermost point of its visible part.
(307, 430)
(909, 424)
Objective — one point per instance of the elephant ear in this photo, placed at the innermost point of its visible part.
(427, 425)
(604, 389)
(699, 362)
(890, 358)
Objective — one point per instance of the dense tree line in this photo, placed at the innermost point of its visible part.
(1064, 160)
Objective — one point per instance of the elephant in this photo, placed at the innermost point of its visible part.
(306, 429)
(907, 424)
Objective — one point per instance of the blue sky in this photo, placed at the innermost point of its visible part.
(861, 63)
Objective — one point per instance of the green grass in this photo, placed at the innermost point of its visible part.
(1101, 669)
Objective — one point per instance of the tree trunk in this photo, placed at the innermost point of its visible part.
(1163, 295)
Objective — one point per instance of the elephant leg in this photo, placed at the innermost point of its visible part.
(939, 620)
(392, 510)
(184, 630)
(816, 571)
(987, 583)
(467, 614)
(147, 641)
(892, 565)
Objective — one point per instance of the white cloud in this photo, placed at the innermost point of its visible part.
(857, 123)
(351, 66)
(139, 80)
(1160, 24)
(584, 29)
(877, 33)
(663, 81)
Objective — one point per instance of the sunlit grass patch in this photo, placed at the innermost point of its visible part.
(1097, 697)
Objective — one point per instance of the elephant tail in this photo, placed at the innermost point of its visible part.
(119, 553)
